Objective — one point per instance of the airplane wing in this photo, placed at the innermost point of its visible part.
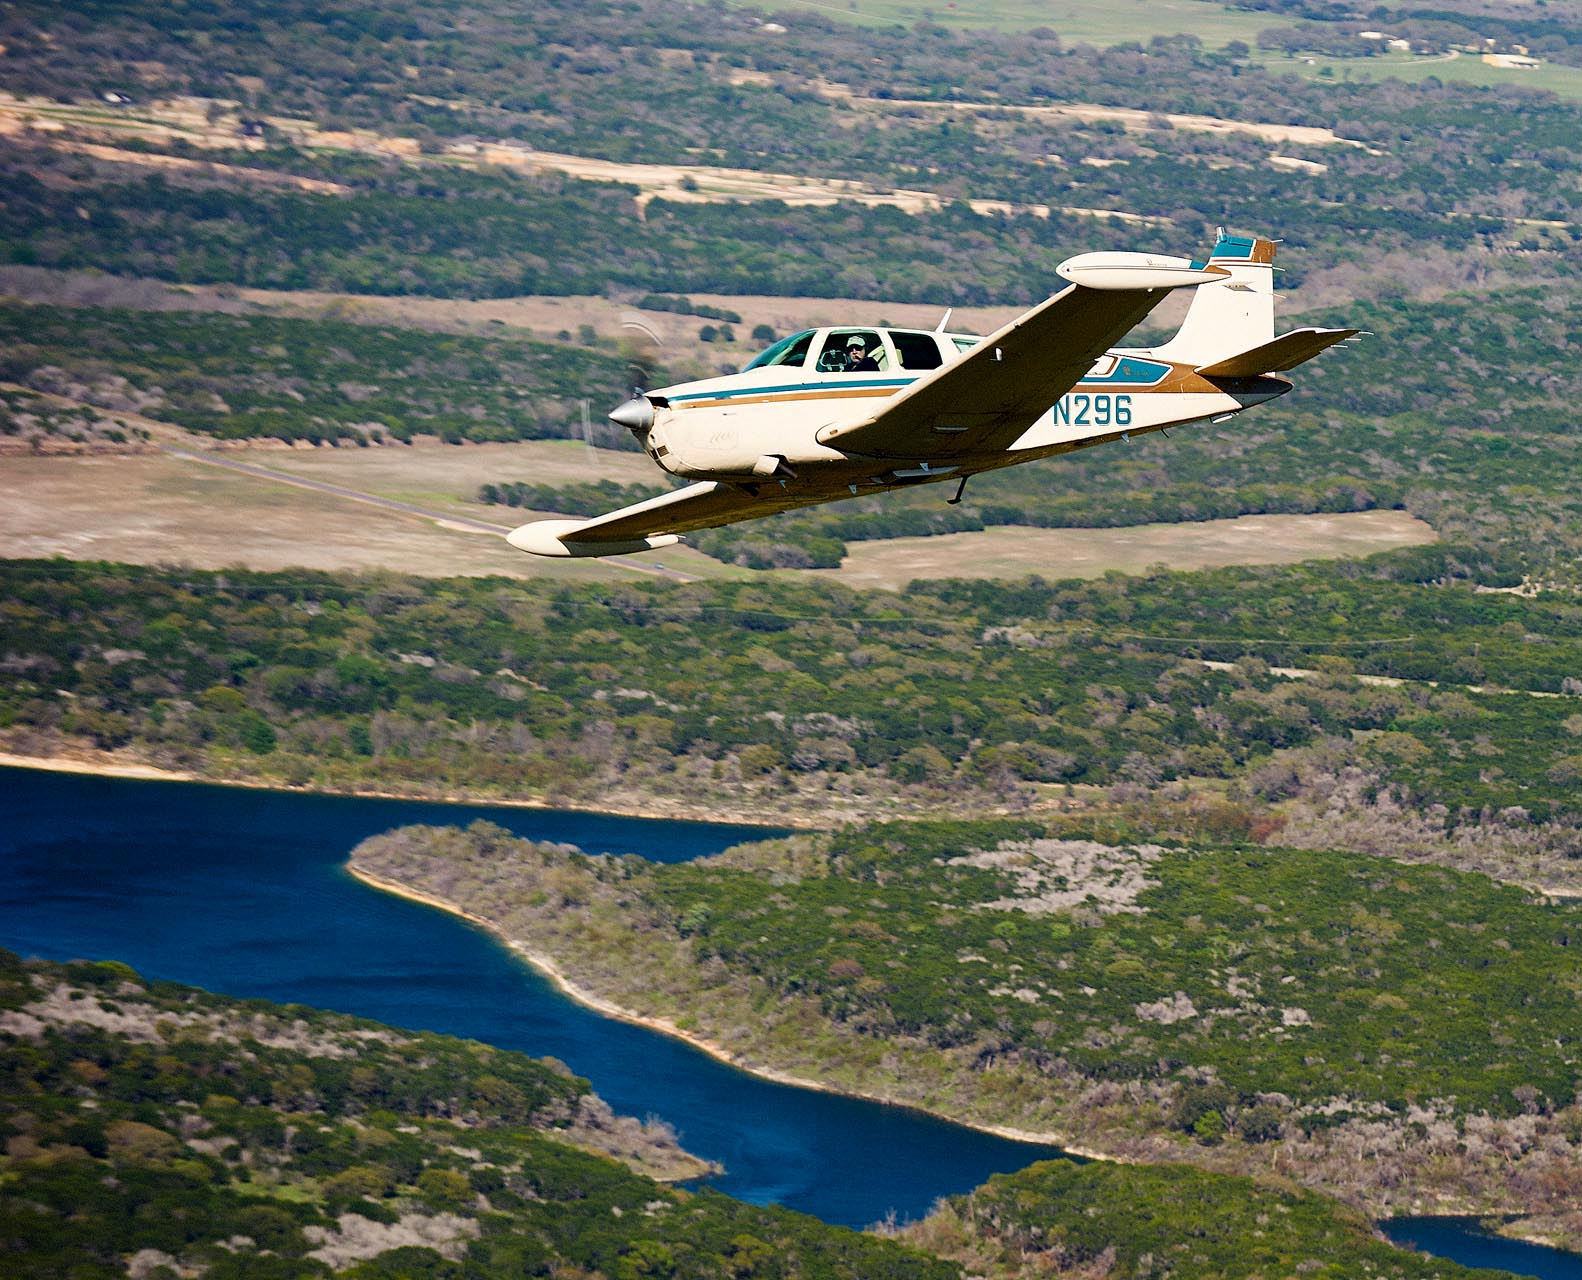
(657, 522)
(987, 399)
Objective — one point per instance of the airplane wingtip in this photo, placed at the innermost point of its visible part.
(555, 538)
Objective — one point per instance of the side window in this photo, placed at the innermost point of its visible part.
(852, 351)
(966, 344)
(917, 350)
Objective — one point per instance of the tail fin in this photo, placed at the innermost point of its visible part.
(1230, 315)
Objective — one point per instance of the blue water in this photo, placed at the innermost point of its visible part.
(244, 892)
(1461, 1240)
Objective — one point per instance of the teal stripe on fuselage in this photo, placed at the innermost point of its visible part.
(791, 388)
(1127, 372)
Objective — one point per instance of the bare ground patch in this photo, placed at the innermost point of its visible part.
(157, 509)
(447, 477)
(1012, 551)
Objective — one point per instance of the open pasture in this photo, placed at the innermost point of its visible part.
(164, 509)
(1097, 22)
(1012, 551)
(159, 509)
(1460, 68)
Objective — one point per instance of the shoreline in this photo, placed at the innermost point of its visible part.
(549, 968)
(656, 810)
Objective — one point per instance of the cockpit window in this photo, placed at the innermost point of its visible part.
(917, 350)
(966, 344)
(853, 351)
(792, 351)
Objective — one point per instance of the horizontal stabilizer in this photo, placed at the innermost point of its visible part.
(1285, 352)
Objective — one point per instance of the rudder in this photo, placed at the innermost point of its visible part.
(1230, 315)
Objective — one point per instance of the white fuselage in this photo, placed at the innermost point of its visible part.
(766, 422)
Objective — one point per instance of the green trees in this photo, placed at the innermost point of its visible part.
(333, 1153)
(989, 689)
(296, 379)
(1169, 1220)
(1252, 988)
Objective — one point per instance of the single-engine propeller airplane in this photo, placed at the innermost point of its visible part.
(844, 410)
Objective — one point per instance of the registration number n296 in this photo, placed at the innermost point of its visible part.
(1084, 410)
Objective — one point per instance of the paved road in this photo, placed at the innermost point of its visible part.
(406, 508)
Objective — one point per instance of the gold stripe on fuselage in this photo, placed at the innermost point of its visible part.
(789, 397)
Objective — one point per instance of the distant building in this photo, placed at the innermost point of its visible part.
(1511, 61)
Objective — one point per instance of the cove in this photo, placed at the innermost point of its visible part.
(244, 892)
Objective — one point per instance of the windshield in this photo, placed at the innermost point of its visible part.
(792, 351)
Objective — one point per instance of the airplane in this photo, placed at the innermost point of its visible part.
(845, 410)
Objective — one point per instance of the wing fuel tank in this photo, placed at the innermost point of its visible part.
(1136, 271)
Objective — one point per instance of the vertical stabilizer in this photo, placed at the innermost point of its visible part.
(1232, 315)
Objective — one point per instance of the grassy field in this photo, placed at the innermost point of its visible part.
(1105, 24)
(1010, 552)
(159, 509)
(1096, 22)
(447, 478)
(1461, 68)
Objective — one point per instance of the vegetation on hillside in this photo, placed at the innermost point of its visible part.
(238, 377)
(1328, 1013)
(160, 1130)
(1063, 1219)
(651, 83)
(40, 424)
(155, 1129)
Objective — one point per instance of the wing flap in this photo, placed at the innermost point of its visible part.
(1285, 352)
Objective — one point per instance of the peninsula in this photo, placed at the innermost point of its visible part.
(1241, 1010)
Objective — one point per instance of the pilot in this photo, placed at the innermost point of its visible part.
(857, 358)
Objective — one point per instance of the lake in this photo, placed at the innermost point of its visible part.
(245, 892)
